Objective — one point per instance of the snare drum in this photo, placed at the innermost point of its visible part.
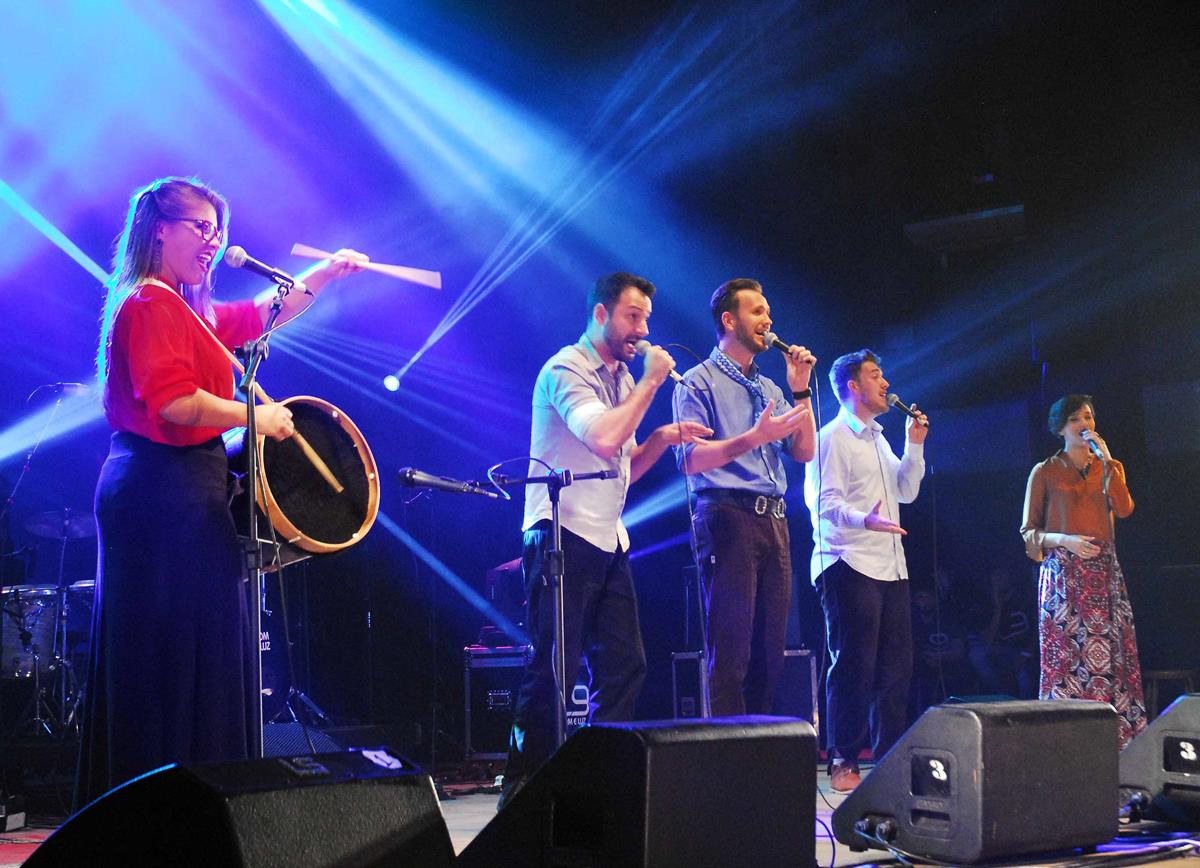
(27, 616)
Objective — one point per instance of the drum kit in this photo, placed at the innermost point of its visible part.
(45, 633)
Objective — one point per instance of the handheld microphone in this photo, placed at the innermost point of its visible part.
(237, 257)
(774, 342)
(414, 478)
(895, 401)
(1095, 447)
(643, 346)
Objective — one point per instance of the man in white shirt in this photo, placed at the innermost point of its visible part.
(854, 491)
(586, 408)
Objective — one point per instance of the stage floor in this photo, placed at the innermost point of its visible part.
(469, 810)
(466, 815)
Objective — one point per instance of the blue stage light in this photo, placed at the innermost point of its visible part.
(460, 585)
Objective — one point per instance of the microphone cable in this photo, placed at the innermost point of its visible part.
(701, 600)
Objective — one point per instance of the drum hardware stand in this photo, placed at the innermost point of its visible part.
(67, 693)
(54, 707)
(31, 715)
(311, 715)
(555, 482)
(12, 801)
(252, 353)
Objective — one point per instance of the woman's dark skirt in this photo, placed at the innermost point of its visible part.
(168, 674)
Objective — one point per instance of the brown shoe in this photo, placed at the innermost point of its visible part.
(844, 778)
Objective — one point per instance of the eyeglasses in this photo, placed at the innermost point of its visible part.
(206, 230)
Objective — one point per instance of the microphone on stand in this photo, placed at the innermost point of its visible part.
(63, 390)
(414, 478)
(895, 401)
(69, 389)
(237, 257)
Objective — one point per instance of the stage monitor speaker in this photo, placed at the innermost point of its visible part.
(723, 791)
(364, 807)
(1160, 769)
(973, 782)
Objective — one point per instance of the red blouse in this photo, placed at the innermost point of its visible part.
(160, 352)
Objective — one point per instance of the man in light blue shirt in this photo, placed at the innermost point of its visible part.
(742, 545)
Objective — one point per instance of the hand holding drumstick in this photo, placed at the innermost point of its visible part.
(403, 272)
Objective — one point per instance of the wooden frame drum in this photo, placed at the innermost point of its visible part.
(308, 516)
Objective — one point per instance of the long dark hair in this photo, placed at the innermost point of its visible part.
(137, 255)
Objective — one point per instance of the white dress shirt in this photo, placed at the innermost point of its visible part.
(572, 390)
(856, 468)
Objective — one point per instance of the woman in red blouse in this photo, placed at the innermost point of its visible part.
(168, 673)
(1088, 646)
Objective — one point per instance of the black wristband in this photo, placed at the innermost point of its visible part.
(800, 396)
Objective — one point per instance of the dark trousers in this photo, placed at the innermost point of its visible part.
(868, 630)
(746, 566)
(600, 620)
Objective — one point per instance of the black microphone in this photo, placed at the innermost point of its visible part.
(773, 341)
(895, 401)
(643, 346)
(237, 257)
(1095, 447)
(69, 389)
(419, 479)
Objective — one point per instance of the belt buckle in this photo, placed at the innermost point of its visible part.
(760, 504)
(779, 508)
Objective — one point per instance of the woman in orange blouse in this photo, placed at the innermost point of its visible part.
(1088, 646)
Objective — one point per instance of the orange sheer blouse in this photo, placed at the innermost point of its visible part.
(1059, 500)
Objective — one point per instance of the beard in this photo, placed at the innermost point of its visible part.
(620, 344)
(749, 339)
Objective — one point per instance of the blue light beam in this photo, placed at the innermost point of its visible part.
(460, 586)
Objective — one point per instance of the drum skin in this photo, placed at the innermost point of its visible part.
(308, 517)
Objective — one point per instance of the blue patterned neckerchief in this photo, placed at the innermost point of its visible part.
(730, 368)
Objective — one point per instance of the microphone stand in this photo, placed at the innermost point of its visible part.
(252, 353)
(555, 482)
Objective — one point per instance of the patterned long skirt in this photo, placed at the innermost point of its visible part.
(1088, 646)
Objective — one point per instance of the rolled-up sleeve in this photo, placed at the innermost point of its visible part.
(690, 405)
(574, 399)
(1033, 524)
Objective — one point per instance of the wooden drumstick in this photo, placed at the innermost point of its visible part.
(318, 463)
(412, 275)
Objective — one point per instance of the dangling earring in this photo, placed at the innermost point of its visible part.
(156, 258)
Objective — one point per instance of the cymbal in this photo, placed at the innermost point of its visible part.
(62, 524)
